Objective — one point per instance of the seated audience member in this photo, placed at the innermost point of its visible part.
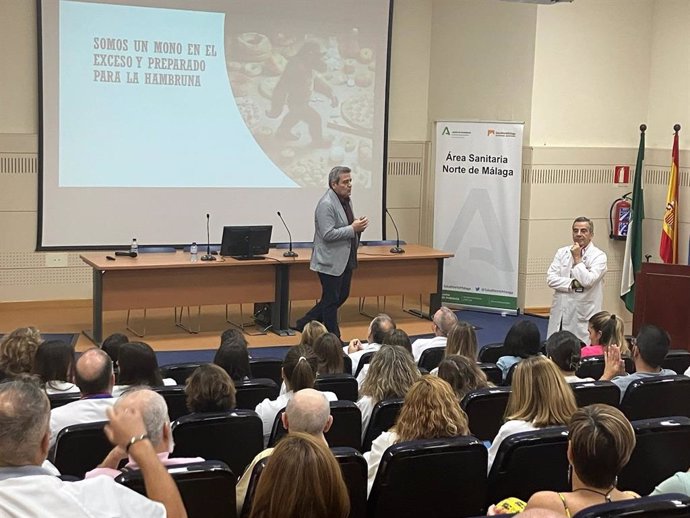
(563, 348)
(522, 341)
(29, 491)
(299, 372)
(462, 340)
(329, 352)
(210, 389)
(17, 352)
(430, 411)
(54, 364)
(395, 337)
(302, 479)
(93, 374)
(600, 443)
(379, 327)
(678, 483)
(443, 321)
(138, 366)
(111, 345)
(233, 355)
(154, 411)
(540, 397)
(311, 332)
(648, 352)
(307, 412)
(605, 329)
(462, 374)
(391, 373)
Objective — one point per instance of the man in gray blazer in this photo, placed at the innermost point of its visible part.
(336, 236)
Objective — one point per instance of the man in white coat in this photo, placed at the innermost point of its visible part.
(576, 274)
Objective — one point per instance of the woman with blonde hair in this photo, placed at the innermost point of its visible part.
(605, 329)
(302, 479)
(18, 350)
(462, 340)
(391, 373)
(540, 397)
(462, 374)
(430, 411)
(600, 442)
(311, 332)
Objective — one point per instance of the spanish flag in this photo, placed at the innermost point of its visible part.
(668, 248)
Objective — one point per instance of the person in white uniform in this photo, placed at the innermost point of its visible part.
(29, 491)
(576, 275)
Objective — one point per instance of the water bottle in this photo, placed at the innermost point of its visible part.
(194, 250)
(134, 247)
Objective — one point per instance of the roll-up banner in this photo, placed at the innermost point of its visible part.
(477, 211)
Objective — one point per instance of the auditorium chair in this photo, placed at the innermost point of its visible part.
(528, 462)
(363, 360)
(590, 392)
(659, 396)
(431, 477)
(492, 371)
(342, 385)
(251, 487)
(660, 451)
(509, 376)
(175, 398)
(383, 417)
(347, 364)
(678, 360)
(179, 371)
(249, 393)
(485, 409)
(207, 488)
(80, 448)
(267, 368)
(660, 506)
(431, 357)
(355, 472)
(346, 429)
(490, 353)
(593, 367)
(233, 437)
(57, 400)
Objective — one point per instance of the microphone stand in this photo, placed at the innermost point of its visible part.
(208, 256)
(289, 253)
(396, 249)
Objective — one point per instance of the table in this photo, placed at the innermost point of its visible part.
(171, 280)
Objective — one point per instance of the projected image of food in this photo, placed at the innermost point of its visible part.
(308, 99)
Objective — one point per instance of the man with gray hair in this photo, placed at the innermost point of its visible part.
(308, 411)
(379, 327)
(444, 319)
(27, 490)
(154, 411)
(336, 237)
(576, 275)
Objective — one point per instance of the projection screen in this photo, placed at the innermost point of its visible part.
(155, 113)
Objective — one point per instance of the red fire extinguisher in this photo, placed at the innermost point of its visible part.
(619, 217)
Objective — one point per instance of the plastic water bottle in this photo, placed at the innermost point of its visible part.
(134, 247)
(194, 250)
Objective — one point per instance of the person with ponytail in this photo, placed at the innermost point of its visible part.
(299, 372)
(605, 329)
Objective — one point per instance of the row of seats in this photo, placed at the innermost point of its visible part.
(645, 398)
(451, 473)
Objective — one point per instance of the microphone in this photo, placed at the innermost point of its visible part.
(289, 253)
(208, 256)
(396, 249)
(126, 254)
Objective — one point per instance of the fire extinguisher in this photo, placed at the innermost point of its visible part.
(619, 217)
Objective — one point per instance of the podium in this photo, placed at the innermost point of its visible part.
(662, 297)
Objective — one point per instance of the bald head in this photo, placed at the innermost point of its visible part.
(308, 411)
(94, 372)
(153, 410)
(380, 326)
(444, 320)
